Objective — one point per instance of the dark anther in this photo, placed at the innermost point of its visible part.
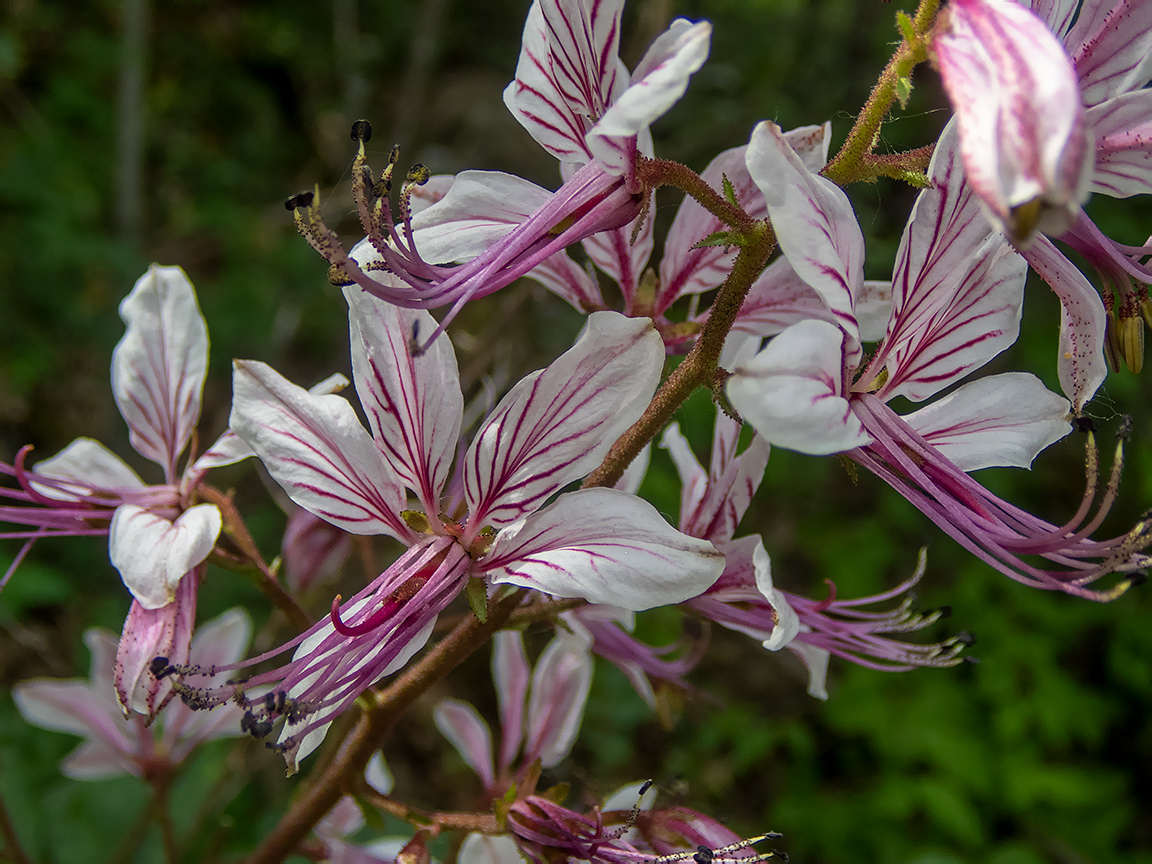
(270, 702)
(945, 611)
(418, 174)
(300, 199)
(362, 131)
(703, 855)
(257, 728)
(1137, 578)
(1125, 430)
(159, 667)
(1085, 424)
(647, 785)
(394, 156)
(966, 637)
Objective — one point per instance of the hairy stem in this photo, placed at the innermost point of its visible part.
(850, 166)
(699, 368)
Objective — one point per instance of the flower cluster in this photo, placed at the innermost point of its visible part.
(526, 514)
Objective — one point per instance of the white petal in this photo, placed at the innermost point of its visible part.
(790, 392)
(557, 424)
(93, 466)
(787, 621)
(606, 547)
(815, 225)
(560, 685)
(316, 449)
(998, 420)
(482, 849)
(463, 727)
(153, 554)
(511, 675)
(658, 82)
(479, 209)
(158, 368)
(413, 402)
(816, 661)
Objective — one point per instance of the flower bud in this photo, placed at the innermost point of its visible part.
(1024, 140)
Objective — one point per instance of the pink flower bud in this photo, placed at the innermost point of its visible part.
(1023, 137)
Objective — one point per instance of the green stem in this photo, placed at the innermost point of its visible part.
(846, 167)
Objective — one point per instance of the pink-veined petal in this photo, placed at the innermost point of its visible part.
(778, 299)
(158, 368)
(606, 547)
(569, 281)
(479, 210)
(560, 685)
(510, 674)
(557, 424)
(634, 474)
(316, 449)
(815, 225)
(1026, 147)
(71, 706)
(657, 84)
(874, 309)
(615, 253)
(957, 289)
(693, 477)
(92, 466)
(791, 392)
(466, 730)
(687, 269)
(413, 401)
(997, 420)
(433, 191)
(1080, 362)
(1057, 14)
(568, 73)
(151, 633)
(153, 554)
(1123, 128)
(1111, 48)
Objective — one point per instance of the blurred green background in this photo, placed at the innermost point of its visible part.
(1041, 753)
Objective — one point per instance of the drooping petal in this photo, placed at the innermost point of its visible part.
(791, 392)
(657, 84)
(689, 269)
(693, 478)
(606, 547)
(510, 674)
(158, 368)
(92, 466)
(1080, 362)
(483, 849)
(568, 73)
(958, 288)
(153, 554)
(413, 401)
(460, 723)
(815, 660)
(479, 209)
(316, 449)
(95, 760)
(814, 223)
(560, 685)
(787, 621)
(1111, 48)
(151, 633)
(71, 706)
(997, 420)
(1123, 128)
(313, 550)
(1025, 144)
(557, 424)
